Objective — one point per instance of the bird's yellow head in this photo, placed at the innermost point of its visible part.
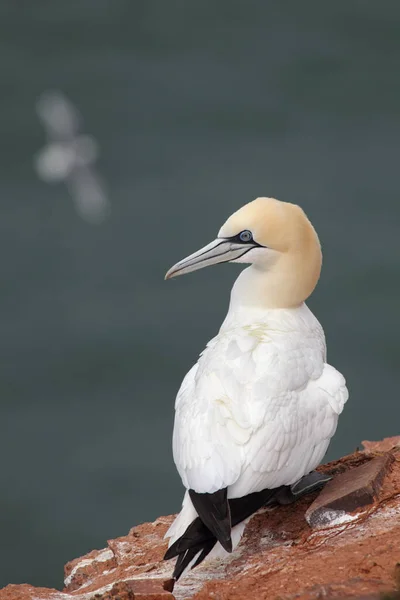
(277, 239)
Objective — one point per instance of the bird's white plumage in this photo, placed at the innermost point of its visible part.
(259, 407)
(257, 410)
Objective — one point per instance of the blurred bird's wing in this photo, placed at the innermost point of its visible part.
(59, 117)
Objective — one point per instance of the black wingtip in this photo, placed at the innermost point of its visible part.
(184, 561)
(180, 566)
(196, 534)
(226, 544)
(208, 546)
(170, 553)
(185, 558)
(213, 509)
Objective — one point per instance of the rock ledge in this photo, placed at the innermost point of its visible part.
(349, 548)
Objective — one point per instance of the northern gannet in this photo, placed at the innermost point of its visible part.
(256, 413)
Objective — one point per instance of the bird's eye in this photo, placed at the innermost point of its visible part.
(246, 236)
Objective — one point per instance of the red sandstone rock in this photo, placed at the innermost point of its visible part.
(280, 557)
(28, 592)
(384, 446)
(138, 589)
(349, 491)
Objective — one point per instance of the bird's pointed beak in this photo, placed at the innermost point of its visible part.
(218, 251)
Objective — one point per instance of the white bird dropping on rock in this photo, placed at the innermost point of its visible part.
(255, 414)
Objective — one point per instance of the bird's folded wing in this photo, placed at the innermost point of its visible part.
(255, 422)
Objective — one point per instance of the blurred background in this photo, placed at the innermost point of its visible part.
(195, 108)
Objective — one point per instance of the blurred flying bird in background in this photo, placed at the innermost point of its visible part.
(70, 156)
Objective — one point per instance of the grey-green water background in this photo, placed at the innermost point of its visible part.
(198, 107)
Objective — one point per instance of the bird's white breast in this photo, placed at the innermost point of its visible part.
(259, 407)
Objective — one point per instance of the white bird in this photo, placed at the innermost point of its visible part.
(257, 411)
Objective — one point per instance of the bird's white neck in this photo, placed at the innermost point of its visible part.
(258, 288)
(255, 299)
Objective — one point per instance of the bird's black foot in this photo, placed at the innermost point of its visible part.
(288, 494)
